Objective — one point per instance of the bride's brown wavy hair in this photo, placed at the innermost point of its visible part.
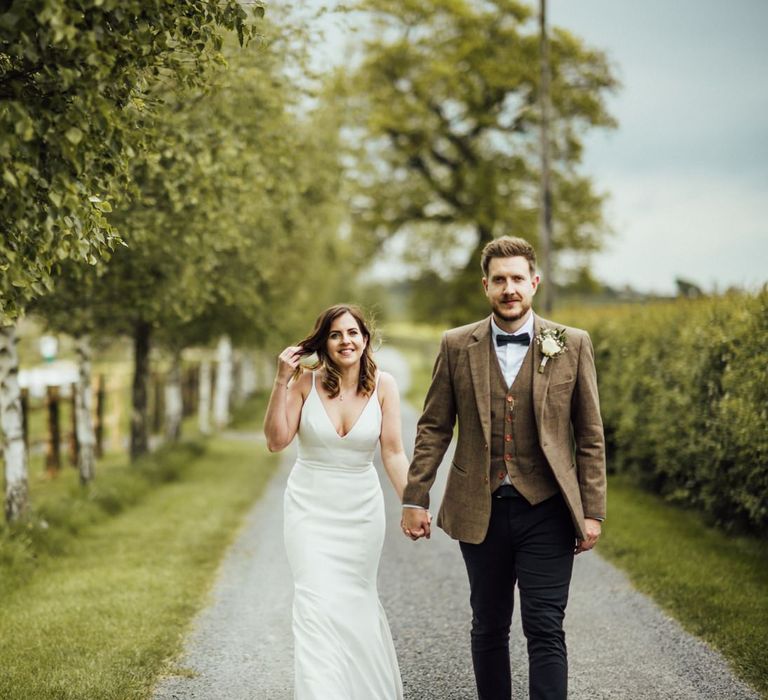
(317, 342)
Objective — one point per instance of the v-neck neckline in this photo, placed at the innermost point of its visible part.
(328, 416)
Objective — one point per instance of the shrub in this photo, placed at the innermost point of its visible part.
(684, 393)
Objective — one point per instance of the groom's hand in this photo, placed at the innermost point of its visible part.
(416, 523)
(592, 528)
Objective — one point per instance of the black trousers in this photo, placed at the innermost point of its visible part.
(533, 547)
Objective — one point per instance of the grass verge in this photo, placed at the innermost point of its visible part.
(99, 614)
(714, 584)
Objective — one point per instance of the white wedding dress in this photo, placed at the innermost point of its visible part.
(334, 532)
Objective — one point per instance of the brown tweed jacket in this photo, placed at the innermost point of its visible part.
(567, 411)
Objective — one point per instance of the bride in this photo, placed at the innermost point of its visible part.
(341, 407)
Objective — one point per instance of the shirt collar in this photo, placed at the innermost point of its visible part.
(527, 327)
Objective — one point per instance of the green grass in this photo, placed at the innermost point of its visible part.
(97, 610)
(714, 584)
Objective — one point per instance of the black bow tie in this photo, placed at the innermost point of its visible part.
(519, 339)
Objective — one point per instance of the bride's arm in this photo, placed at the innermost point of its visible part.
(392, 452)
(284, 409)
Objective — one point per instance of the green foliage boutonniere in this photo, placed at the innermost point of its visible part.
(552, 342)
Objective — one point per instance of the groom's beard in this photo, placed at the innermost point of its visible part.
(514, 314)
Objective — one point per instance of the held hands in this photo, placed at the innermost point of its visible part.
(593, 528)
(416, 523)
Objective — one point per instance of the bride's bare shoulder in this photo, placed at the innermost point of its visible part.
(387, 384)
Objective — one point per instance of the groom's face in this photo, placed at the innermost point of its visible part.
(510, 287)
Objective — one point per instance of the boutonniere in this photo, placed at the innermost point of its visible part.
(552, 342)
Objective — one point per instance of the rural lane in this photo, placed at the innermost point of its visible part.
(621, 645)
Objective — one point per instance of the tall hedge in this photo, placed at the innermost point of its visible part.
(684, 394)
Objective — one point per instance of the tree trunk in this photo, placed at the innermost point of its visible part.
(86, 433)
(173, 400)
(223, 383)
(140, 413)
(11, 420)
(204, 398)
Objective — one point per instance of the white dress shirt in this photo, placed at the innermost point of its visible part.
(511, 355)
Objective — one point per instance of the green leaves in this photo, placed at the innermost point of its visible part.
(231, 219)
(9, 178)
(100, 205)
(684, 392)
(78, 83)
(74, 135)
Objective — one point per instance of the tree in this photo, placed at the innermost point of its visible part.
(74, 86)
(286, 258)
(231, 220)
(445, 103)
(688, 289)
(75, 83)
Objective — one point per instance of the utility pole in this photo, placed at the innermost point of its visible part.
(545, 187)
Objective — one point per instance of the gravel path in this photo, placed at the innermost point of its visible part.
(621, 646)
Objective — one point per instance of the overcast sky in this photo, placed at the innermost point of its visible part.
(687, 169)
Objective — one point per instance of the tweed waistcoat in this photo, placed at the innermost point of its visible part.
(515, 446)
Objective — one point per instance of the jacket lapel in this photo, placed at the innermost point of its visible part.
(540, 380)
(481, 374)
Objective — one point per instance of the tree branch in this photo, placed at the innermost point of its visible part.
(460, 142)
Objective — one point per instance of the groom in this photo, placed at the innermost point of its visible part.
(526, 488)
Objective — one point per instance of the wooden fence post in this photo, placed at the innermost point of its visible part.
(74, 444)
(25, 416)
(190, 390)
(185, 392)
(53, 447)
(158, 408)
(101, 393)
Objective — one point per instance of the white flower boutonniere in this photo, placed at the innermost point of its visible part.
(552, 342)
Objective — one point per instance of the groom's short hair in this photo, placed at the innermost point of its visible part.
(508, 247)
